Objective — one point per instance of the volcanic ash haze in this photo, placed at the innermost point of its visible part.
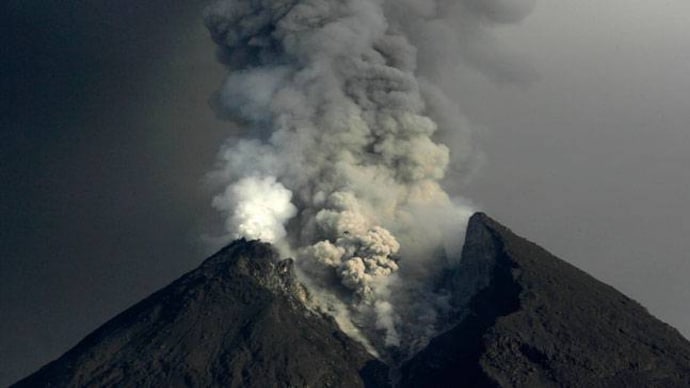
(339, 161)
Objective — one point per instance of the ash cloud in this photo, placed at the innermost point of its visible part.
(340, 163)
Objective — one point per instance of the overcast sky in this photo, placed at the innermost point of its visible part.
(106, 135)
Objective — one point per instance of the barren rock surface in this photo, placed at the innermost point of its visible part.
(541, 322)
(528, 319)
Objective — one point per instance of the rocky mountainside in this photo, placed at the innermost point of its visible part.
(235, 321)
(537, 321)
(528, 319)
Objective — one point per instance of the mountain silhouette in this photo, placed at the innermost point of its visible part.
(526, 319)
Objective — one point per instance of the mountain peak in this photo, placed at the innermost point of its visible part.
(533, 320)
(526, 319)
(234, 321)
(255, 260)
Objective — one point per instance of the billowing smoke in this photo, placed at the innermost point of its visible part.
(257, 208)
(340, 159)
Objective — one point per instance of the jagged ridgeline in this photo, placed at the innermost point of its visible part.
(529, 320)
(339, 158)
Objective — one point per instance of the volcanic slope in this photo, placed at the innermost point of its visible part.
(537, 321)
(526, 319)
(235, 321)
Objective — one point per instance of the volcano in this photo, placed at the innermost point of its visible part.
(528, 319)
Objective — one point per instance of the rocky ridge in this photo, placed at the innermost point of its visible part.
(236, 321)
(526, 319)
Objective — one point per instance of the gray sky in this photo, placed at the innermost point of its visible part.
(106, 135)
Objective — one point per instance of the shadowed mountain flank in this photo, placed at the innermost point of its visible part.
(524, 319)
(537, 321)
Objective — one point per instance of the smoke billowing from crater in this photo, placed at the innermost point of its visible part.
(340, 162)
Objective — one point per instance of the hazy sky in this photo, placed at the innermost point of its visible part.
(106, 135)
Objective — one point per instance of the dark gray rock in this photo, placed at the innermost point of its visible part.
(525, 319)
(537, 321)
(236, 321)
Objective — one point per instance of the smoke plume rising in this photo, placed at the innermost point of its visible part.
(340, 162)
(257, 207)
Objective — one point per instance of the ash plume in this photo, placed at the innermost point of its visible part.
(339, 161)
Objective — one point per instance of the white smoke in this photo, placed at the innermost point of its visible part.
(257, 208)
(342, 125)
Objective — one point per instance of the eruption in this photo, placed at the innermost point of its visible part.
(338, 161)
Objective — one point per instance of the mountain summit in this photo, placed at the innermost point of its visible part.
(528, 319)
(537, 321)
(235, 321)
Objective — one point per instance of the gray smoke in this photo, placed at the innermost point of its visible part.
(340, 164)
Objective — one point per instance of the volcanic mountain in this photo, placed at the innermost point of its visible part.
(528, 319)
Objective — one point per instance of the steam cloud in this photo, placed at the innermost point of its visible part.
(340, 162)
(259, 208)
